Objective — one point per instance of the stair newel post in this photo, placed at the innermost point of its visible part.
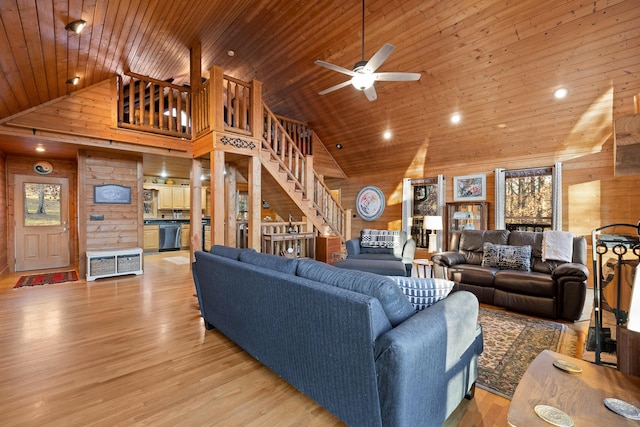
(217, 197)
(232, 201)
(347, 225)
(257, 115)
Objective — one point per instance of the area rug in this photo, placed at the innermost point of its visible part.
(178, 260)
(47, 279)
(511, 342)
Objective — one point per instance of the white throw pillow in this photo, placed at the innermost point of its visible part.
(421, 292)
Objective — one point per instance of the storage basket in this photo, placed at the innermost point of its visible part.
(128, 263)
(102, 266)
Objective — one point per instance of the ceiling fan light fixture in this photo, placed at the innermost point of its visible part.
(76, 26)
(362, 80)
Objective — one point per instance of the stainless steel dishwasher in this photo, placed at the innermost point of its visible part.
(169, 236)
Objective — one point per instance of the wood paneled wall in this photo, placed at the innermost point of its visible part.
(24, 166)
(122, 226)
(4, 261)
(592, 195)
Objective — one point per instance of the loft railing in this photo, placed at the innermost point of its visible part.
(237, 106)
(200, 113)
(155, 106)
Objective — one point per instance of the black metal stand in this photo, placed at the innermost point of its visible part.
(619, 245)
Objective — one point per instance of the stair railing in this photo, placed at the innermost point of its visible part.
(332, 212)
(299, 132)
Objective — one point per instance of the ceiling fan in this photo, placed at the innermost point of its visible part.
(364, 73)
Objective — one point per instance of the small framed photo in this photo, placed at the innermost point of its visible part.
(470, 187)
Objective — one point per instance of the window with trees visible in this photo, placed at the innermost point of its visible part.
(528, 199)
(425, 202)
(42, 204)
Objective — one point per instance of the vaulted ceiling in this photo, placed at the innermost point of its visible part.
(497, 63)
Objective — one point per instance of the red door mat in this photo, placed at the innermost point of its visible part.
(47, 279)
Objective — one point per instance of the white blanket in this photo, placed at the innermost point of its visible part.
(557, 246)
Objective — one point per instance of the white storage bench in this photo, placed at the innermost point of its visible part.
(113, 263)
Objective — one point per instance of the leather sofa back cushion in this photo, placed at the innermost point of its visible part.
(395, 305)
(472, 241)
(521, 238)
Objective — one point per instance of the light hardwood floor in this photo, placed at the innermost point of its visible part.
(133, 351)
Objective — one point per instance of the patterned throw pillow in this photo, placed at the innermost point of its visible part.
(370, 238)
(505, 257)
(423, 293)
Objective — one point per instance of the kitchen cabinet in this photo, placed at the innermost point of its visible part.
(151, 238)
(174, 197)
(185, 236)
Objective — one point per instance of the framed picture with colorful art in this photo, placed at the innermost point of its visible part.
(470, 187)
(370, 203)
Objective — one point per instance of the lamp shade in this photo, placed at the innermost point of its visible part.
(633, 323)
(432, 222)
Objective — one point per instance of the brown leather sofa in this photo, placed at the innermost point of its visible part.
(551, 289)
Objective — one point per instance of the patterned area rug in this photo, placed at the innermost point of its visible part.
(511, 342)
(47, 279)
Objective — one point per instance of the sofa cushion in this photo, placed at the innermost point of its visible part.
(421, 292)
(395, 305)
(226, 251)
(506, 257)
(272, 262)
(472, 241)
(474, 274)
(526, 283)
(384, 267)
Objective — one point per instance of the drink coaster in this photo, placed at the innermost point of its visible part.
(553, 416)
(623, 408)
(567, 366)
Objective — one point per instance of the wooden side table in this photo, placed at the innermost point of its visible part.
(579, 395)
(327, 247)
(421, 267)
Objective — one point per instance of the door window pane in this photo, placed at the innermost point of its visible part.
(42, 204)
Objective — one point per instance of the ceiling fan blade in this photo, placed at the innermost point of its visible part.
(370, 93)
(334, 67)
(336, 87)
(397, 77)
(379, 57)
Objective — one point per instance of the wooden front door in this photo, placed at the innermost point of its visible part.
(42, 222)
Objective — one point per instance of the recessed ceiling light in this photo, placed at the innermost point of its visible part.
(73, 80)
(163, 174)
(76, 26)
(561, 93)
(387, 134)
(40, 149)
(455, 118)
(230, 53)
(339, 146)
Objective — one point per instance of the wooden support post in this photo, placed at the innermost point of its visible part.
(195, 215)
(216, 98)
(255, 203)
(309, 179)
(347, 224)
(217, 197)
(232, 203)
(257, 119)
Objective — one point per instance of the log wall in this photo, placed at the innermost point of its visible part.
(4, 262)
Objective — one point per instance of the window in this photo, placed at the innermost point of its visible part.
(421, 197)
(42, 204)
(528, 199)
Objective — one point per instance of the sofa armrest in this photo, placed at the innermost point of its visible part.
(429, 361)
(448, 259)
(571, 269)
(408, 251)
(353, 246)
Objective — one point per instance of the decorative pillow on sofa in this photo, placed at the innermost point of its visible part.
(370, 238)
(505, 257)
(423, 293)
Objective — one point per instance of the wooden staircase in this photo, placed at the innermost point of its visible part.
(282, 157)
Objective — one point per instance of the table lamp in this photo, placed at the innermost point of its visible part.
(434, 224)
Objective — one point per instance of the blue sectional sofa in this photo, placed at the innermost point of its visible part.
(350, 340)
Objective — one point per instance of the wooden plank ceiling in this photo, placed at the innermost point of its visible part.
(495, 62)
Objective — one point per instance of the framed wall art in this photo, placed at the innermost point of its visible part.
(470, 187)
(370, 203)
(112, 193)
